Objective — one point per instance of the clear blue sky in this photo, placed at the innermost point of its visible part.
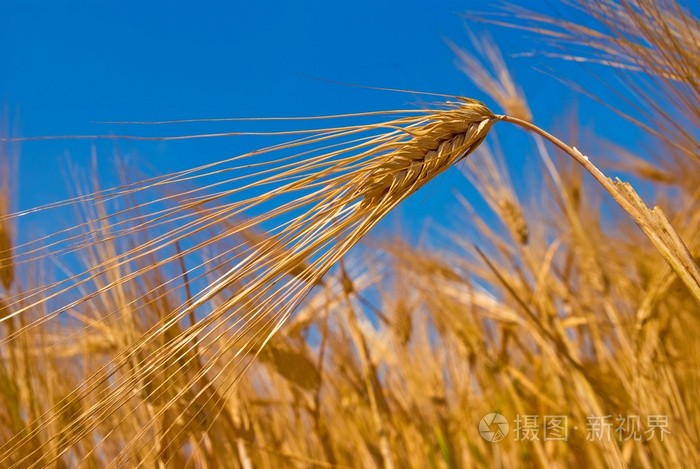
(69, 64)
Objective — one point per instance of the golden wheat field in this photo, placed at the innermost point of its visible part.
(256, 311)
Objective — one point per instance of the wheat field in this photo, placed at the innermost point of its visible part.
(248, 313)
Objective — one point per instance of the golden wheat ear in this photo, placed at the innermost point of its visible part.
(307, 210)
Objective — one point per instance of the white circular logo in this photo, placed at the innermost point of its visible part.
(493, 427)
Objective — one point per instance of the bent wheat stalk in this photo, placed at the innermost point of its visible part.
(313, 206)
(652, 221)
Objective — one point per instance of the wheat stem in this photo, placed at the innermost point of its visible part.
(652, 221)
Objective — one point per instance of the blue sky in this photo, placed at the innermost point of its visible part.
(70, 64)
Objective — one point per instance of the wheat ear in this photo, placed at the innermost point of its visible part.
(343, 194)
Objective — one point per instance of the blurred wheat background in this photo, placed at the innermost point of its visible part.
(245, 311)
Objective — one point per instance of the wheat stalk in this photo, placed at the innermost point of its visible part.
(652, 222)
